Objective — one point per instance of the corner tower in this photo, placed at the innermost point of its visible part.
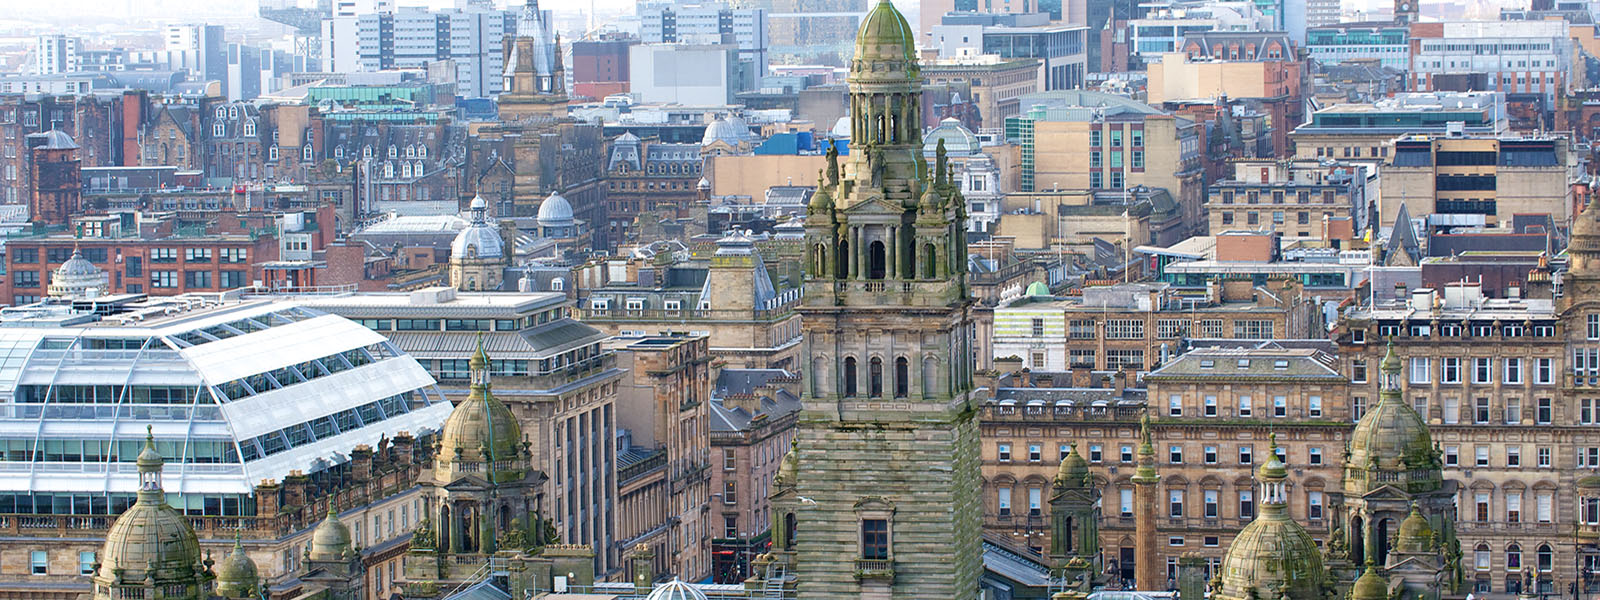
(888, 442)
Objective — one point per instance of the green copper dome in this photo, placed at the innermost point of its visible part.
(885, 35)
(1074, 471)
(1038, 288)
(331, 540)
(1273, 556)
(478, 424)
(151, 540)
(1416, 535)
(1393, 439)
(1371, 585)
(237, 576)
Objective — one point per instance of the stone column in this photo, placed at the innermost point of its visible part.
(893, 270)
(1147, 574)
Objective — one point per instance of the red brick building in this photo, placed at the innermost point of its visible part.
(55, 172)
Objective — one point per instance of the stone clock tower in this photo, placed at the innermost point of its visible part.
(885, 486)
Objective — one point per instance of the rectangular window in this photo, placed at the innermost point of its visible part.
(1003, 500)
(1244, 406)
(1211, 455)
(1513, 371)
(1480, 410)
(1211, 406)
(875, 539)
(1452, 456)
(1175, 504)
(1451, 369)
(1095, 453)
(1175, 455)
(1247, 504)
(1246, 455)
(1035, 453)
(1483, 370)
(1452, 410)
(1035, 501)
(197, 279)
(1315, 456)
(1124, 329)
(1482, 503)
(1544, 372)
(1513, 456)
(1211, 504)
(1513, 411)
(1543, 458)
(1358, 371)
(1314, 406)
(1545, 507)
(730, 491)
(1004, 452)
(25, 279)
(163, 255)
(1175, 405)
(40, 562)
(1127, 454)
(163, 279)
(1314, 505)
(1125, 501)
(1481, 456)
(1280, 406)
(1421, 370)
(232, 279)
(1543, 412)
(1594, 326)
(197, 255)
(729, 461)
(85, 563)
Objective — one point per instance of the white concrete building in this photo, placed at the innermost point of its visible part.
(55, 53)
(1508, 56)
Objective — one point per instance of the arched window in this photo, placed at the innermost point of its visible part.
(558, 284)
(930, 376)
(1480, 557)
(875, 374)
(1547, 558)
(902, 376)
(1513, 557)
(877, 268)
(850, 377)
(928, 254)
(820, 261)
(843, 257)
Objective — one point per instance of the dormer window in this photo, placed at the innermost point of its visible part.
(392, 152)
(249, 128)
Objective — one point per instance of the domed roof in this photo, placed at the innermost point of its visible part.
(1416, 534)
(56, 139)
(731, 129)
(331, 539)
(1074, 470)
(1272, 551)
(676, 590)
(1371, 585)
(151, 540)
(1038, 288)
(1274, 467)
(78, 278)
(1391, 438)
(703, 184)
(885, 35)
(237, 576)
(555, 211)
(958, 140)
(479, 422)
(479, 240)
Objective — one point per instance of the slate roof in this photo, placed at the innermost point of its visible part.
(1250, 364)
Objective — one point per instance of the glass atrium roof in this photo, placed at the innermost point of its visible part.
(236, 392)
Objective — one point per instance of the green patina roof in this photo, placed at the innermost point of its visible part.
(1038, 288)
(885, 35)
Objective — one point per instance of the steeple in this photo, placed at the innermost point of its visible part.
(533, 77)
(887, 322)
